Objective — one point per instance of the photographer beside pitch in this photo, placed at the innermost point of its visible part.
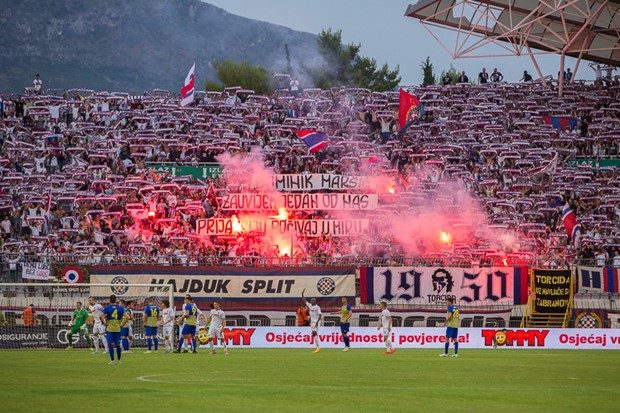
(452, 331)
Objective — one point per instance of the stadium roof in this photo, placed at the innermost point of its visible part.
(585, 29)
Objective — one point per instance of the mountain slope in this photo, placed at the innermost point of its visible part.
(133, 45)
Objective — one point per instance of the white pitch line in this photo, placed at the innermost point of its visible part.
(144, 378)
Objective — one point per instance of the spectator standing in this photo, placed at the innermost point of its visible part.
(446, 79)
(37, 84)
(483, 77)
(568, 75)
(463, 78)
(526, 77)
(294, 86)
(30, 316)
(496, 76)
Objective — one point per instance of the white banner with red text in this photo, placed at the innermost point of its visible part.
(39, 271)
(410, 338)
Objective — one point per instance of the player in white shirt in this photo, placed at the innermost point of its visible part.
(216, 323)
(315, 318)
(167, 321)
(385, 322)
(99, 333)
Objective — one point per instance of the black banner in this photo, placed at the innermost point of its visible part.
(21, 337)
(551, 290)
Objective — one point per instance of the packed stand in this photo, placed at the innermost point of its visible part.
(76, 187)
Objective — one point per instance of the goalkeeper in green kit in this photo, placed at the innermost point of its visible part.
(77, 324)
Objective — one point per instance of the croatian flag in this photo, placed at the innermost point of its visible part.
(187, 91)
(315, 141)
(570, 223)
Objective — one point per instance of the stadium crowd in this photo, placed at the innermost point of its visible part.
(76, 185)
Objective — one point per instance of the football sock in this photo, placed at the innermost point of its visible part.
(211, 345)
(316, 341)
(223, 344)
(96, 342)
(112, 353)
(456, 347)
(181, 341)
(447, 346)
(70, 338)
(346, 341)
(125, 344)
(149, 343)
(104, 339)
(87, 338)
(193, 344)
(118, 352)
(156, 342)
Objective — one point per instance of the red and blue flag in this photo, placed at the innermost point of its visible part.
(187, 91)
(560, 122)
(410, 109)
(570, 223)
(315, 141)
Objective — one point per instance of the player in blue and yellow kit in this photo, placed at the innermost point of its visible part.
(151, 321)
(345, 322)
(113, 317)
(126, 330)
(190, 314)
(452, 331)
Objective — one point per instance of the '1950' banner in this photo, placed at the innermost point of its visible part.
(423, 285)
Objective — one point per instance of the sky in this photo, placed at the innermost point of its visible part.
(389, 37)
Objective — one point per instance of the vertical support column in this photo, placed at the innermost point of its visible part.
(561, 77)
(542, 77)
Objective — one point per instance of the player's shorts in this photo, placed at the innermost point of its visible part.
(113, 338)
(215, 332)
(168, 331)
(452, 332)
(314, 326)
(188, 330)
(124, 331)
(99, 329)
(344, 328)
(151, 331)
(386, 332)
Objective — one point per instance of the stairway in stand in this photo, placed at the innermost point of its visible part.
(545, 320)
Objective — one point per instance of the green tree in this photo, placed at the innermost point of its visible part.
(345, 67)
(242, 74)
(453, 73)
(427, 70)
(213, 86)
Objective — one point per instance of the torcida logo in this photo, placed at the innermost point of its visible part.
(442, 279)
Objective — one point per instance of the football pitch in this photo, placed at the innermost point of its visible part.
(295, 380)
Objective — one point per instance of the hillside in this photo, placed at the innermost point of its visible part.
(133, 45)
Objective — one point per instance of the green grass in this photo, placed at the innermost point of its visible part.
(293, 380)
